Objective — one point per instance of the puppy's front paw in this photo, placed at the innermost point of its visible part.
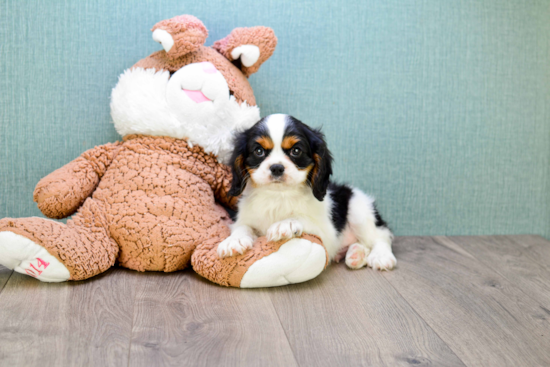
(284, 230)
(356, 256)
(381, 258)
(234, 245)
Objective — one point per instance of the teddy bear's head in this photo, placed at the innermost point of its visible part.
(189, 91)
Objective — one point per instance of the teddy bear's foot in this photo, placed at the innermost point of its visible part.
(297, 261)
(266, 264)
(43, 248)
(26, 257)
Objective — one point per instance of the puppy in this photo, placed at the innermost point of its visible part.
(282, 169)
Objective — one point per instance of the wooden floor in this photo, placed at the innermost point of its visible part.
(452, 301)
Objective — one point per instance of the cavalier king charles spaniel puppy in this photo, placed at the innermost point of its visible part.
(281, 168)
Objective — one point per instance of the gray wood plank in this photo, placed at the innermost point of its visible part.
(183, 320)
(356, 318)
(84, 323)
(538, 246)
(483, 318)
(5, 274)
(518, 264)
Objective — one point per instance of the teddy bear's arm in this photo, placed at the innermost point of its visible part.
(63, 191)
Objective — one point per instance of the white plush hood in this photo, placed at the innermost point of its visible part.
(147, 102)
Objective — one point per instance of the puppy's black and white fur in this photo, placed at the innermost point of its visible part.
(282, 169)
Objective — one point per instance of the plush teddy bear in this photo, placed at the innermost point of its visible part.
(151, 202)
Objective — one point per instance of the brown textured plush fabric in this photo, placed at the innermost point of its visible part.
(229, 271)
(63, 191)
(187, 32)
(237, 82)
(263, 37)
(154, 204)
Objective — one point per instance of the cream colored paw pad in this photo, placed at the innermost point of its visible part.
(26, 257)
(356, 256)
(296, 261)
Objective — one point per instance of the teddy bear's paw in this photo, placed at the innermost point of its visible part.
(356, 256)
(381, 257)
(26, 257)
(296, 261)
(284, 230)
(235, 244)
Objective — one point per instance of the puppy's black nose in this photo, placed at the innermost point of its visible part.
(277, 170)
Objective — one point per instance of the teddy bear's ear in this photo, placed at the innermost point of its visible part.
(248, 48)
(180, 35)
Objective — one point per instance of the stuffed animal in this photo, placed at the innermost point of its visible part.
(151, 202)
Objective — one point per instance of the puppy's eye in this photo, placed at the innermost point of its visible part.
(295, 152)
(259, 152)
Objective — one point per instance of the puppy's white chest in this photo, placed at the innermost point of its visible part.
(261, 210)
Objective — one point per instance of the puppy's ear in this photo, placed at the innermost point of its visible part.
(238, 168)
(248, 48)
(319, 176)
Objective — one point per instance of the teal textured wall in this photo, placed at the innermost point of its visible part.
(441, 109)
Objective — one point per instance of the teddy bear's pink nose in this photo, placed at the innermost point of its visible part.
(208, 67)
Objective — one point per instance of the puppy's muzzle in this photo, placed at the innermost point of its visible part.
(277, 170)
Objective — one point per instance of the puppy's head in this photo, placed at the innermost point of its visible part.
(280, 152)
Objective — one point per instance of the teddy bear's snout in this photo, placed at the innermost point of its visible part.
(200, 82)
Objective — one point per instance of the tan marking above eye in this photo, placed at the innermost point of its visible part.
(289, 141)
(265, 142)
